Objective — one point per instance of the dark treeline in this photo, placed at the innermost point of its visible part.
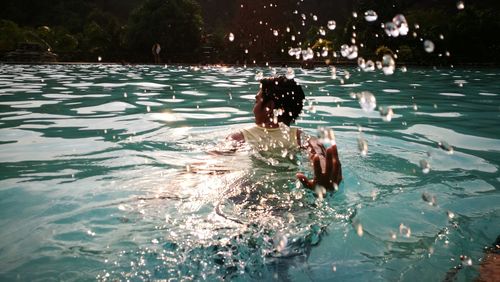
(191, 31)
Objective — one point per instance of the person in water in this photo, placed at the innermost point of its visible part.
(278, 104)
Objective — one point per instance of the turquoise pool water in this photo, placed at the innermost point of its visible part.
(108, 172)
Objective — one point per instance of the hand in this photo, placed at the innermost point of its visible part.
(327, 169)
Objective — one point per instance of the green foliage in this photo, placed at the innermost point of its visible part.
(10, 35)
(175, 24)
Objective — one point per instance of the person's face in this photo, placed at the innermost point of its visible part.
(262, 111)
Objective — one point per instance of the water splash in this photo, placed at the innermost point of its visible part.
(460, 5)
(425, 166)
(362, 146)
(331, 25)
(388, 64)
(398, 26)
(350, 52)
(431, 199)
(231, 37)
(446, 147)
(366, 100)
(386, 113)
(429, 46)
(371, 16)
(404, 230)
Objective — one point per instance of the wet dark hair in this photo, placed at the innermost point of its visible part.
(286, 94)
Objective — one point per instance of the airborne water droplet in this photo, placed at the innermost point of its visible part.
(371, 16)
(362, 146)
(425, 166)
(460, 5)
(429, 46)
(367, 101)
(332, 25)
(231, 37)
(290, 73)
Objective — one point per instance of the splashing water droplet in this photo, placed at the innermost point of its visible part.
(362, 146)
(332, 25)
(315, 18)
(404, 230)
(367, 101)
(369, 66)
(431, 199)
(359, 229)
(246, 51)
(321, 31)
(259, 76)
(155, 241)
(451, 215)
(445, 146)
(231, 37)
(99, 58)
(371, 16)
(460, 5)
(307, 54)
(354, 14)
(361, 63)
(388, 64)
(275, 32)
(386, 113)
(425, 166)
(148, 108)
(290, 73)
(429, 46)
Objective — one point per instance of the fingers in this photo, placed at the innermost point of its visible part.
(318, 171)
(304, 180)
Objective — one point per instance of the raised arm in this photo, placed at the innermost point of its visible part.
(326, 166)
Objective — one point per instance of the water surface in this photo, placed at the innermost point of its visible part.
(109, 173)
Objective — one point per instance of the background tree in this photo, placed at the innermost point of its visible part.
(176, 24)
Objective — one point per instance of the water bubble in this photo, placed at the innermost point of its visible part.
(259, 76)
(332, 25)
(231, 37)
(367, 101)
(388, 64)
(275, 32)
(404, 230)
(371, 16)
(431, 199)
(429, 46)
(386, 113)
(425, 166)
(290, 73)
(362, 146)
(445, 146)
(460, 5)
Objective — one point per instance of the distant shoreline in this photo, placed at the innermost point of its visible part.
(305, 65)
